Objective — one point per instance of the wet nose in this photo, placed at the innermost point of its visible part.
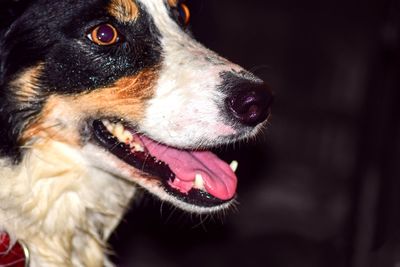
(250, 102)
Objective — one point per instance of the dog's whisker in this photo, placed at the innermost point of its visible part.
(168, 219)
(161, 208)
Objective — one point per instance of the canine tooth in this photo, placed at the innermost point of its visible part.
(199, 182)
(234, 165)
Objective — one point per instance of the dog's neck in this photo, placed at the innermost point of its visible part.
(63, 209)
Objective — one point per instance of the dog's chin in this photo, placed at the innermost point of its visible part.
(193, 180)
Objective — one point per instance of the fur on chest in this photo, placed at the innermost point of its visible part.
(62, 209)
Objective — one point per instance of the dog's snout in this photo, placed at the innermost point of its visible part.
(250, 102)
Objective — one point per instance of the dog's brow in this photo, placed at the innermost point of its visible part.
(173, 3)
(124, 10)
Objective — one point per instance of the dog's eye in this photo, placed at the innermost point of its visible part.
(104, 34)
(182, 14)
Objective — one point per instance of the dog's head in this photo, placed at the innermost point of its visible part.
(122, 83)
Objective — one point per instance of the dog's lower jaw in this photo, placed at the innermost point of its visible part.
(63, 210)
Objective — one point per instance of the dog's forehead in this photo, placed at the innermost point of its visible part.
(129, 10)
(124, 10)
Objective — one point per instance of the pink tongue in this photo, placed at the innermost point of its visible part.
(219, 180)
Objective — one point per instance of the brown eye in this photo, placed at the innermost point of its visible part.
(104, 34)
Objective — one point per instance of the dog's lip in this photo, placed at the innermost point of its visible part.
(156, 161)
(125, 153)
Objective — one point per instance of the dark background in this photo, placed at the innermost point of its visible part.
(321, 187)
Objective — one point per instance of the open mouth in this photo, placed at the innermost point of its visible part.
(195, 177)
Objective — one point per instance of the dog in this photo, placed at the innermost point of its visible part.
(100, 99)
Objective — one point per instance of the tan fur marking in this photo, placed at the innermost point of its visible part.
(25, 86)
(50, 125)
(61, 115)
(124, 10)
(173, 3)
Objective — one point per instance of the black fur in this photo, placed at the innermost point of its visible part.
(54, 33)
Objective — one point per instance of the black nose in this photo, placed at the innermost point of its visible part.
(250, 102)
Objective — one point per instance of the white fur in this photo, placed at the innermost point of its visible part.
(186, 110)
(60, 206)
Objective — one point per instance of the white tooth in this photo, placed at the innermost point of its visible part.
(118, 131)
(105, 122)
(110, 128)
(127, 136)
(136, 147)
(199, 182)
(108, 125)
(234, 165)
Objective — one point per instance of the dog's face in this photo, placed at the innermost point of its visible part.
(122, 83)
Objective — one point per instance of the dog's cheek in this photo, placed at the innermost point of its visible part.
(54, 122)
(63, 116)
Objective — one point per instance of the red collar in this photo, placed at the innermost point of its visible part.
(16, 256)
